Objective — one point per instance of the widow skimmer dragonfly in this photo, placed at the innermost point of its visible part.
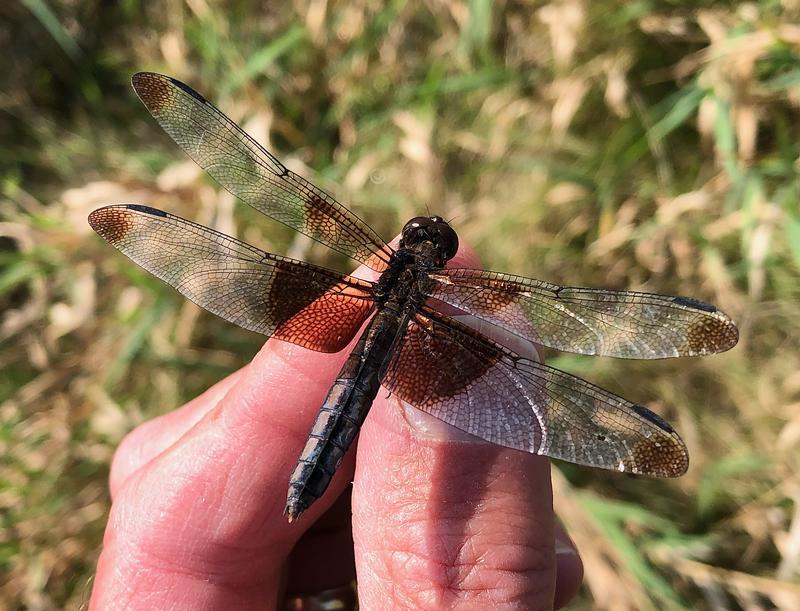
(430, 360)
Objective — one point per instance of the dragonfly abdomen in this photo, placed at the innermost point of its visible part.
(341, 415)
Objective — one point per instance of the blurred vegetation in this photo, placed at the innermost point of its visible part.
(647, 145)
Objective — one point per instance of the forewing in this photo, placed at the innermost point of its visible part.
(624, 324)
(478, 386)
(254, 175)
(293, 301)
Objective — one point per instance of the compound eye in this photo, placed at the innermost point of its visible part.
(413, 227)
(448, 240)
(416, 223)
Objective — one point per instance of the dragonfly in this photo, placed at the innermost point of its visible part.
(431, 360)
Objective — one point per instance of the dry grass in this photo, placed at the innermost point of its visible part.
(640, 145)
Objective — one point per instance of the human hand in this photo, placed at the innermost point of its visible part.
(438, 519)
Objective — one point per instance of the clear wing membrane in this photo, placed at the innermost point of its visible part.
(254, 175)
(457, 375)
(294, 301)
(601, 322)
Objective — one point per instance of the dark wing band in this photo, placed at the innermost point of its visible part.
(278, 297)
(457, 375)
(252, 174)
(587, 321)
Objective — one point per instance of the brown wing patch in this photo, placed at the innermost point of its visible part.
(425, 351)
(708, 335)
(321, 215)
(111, 224)
(327, 323)
(653, 457)
(155, 93)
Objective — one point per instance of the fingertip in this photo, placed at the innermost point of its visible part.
(466, 257)
(569, 576)
(569, 568)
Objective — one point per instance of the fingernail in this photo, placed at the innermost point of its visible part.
(564, 545)
(523, 347)
(569, 571)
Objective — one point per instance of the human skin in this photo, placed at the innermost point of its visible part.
(436, 519)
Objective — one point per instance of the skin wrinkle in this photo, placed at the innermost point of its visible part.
(148, 555)
(495, 586)
(466, 571)
(231, 495)
(151, 560)
(173, 582)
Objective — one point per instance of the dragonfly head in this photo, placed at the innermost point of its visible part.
(433, 229)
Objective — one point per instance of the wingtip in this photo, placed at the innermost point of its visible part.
(93, 218)
(138, 78)
(680, 464)
(662, 462)
(722, 336)
(112, 222)
(98, 215)
(156, 89)
(733, 335)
